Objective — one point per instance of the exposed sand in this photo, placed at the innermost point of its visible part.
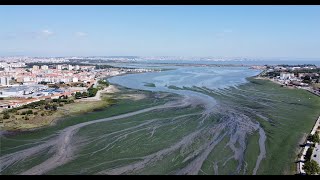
(135, 97)
(110, 89)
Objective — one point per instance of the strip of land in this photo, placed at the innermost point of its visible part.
(43, 115)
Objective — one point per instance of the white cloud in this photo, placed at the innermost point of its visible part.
(46, 32)
(81, 34)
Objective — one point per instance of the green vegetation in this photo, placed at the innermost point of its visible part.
(103, 82)
(78, 95)
(92, 92)
(174, 87)
(306, 79)
(150, 85)
(272, 74)
(6, 115)
(84, 95)
(314, 138)
(103, 66)
(27, 112)
(177, 136)
(311, 167)
(309, 154)
(15, 118)
(290, 112)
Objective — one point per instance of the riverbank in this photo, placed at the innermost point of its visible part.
(308, 89)
(307, 145)
(42, 118)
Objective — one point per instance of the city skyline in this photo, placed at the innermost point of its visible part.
(218, 31)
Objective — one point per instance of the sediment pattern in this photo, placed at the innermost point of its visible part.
(235, 130)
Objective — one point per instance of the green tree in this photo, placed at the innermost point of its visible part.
(78, 95)
(306, 79)
(29, 112)
(92, 92)
(54, 107)
(84, 94)
(309, 154)
(311, 167)
(6, 115)
(315, 138)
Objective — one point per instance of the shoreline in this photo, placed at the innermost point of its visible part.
(304, 149)
(301, 150)
(79, 107)
(91, 104)
(250, 148)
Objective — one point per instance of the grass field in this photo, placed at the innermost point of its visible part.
(291, 114)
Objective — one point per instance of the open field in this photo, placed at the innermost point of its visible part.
(41, 117)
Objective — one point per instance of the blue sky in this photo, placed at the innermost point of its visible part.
(222, 31)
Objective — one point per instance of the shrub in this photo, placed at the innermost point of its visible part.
(85, 94)
(6, 116)
(42, 114)
(311, 167)
(29, 112)
(78, 95)
(315, 138)
(309, 154)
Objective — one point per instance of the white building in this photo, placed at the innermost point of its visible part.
(70, 67)
(59, 67)
(75, 79)
(77, 67)
(44, 67)
(35, 68)
(285, 76)
(4, 81)
(7, 69)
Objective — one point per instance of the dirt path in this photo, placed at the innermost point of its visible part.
(110, 89)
